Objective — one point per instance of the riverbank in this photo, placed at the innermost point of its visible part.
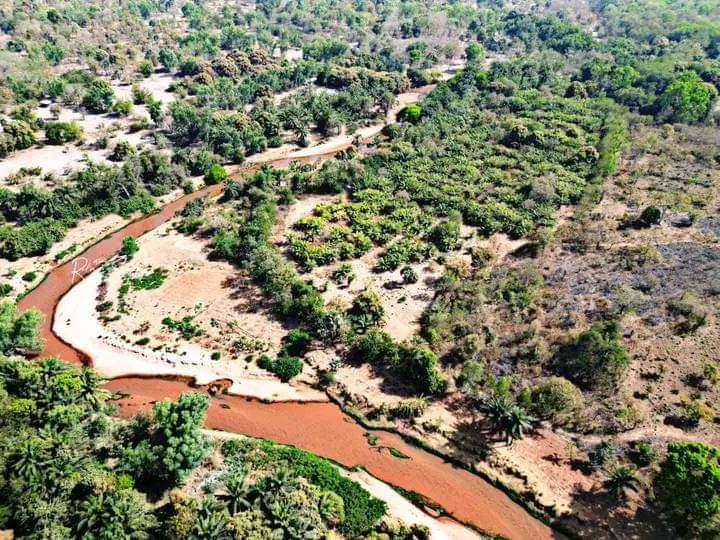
(321, 428)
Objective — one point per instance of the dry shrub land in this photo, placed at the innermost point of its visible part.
(520, 270)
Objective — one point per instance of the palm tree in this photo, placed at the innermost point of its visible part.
(234, 493)
(506, 418)
(516, 423)
(27, 460)
(112, 514)
(620, 479)
(91, 513)
(90, 391)
(212, 522)
(233, 190)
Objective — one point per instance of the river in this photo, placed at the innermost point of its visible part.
(321, 428)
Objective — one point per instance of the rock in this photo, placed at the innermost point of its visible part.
(679, 220)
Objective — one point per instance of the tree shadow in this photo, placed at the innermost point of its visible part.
(601, 515)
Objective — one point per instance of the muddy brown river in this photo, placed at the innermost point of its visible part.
(321, 428)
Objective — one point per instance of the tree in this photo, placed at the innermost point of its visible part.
(366, 311)
(285, 367)
(129, 247)
(174, 444)
(99, 97)
(419, 366)
(596, 359)
(19, 332)
(445, 235)
(474, 52)
(506, 418)
(688, 98)
(16, 135)
(619, 480)
(554, 397)
(216, 174)
(689, 485)
(168, 59)
(145, 68)
(114, 514)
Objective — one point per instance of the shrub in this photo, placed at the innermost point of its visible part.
(411, 113)
(129, 247)
(471, 376)
(366, 311)
(62, 132)
(122, 150)
(374, 347)
(99, 97)
(285, 367)
(650, 216)
(16, 135)
(123, 107)
(408, 274)
(215, 175)
(596, 359)
(29, 276)
(296, 342)
(555, 397)
(643, 454)
(419, 366)
(445, 235)
(689, 485)
(409, 408)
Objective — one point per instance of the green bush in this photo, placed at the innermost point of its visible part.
(688, 485)
(285, 367)
(215, 175)
(32, 239)
(596, 359)
(129, 247)
(295, 342)
(555, 397)
(99, 97)
(63, 132)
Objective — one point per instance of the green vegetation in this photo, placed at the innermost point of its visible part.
(19, 333)
(361, 510)
(129, 247)
(168, 448)
(595, 358)
(689, 486)
(185, 326)
(153, 280)
(42, 216)
(63, 132)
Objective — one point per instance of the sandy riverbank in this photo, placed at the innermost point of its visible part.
(77, 322)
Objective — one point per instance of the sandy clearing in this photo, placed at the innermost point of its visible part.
(194, 286)
(157, 84)
(77, 323)
(61, 160)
